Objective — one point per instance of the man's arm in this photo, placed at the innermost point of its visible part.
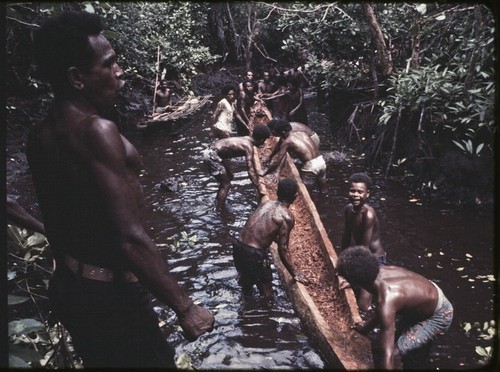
(107, 157)
(346, 235)
(279, 158)
(301, 99)
(368, 228)
(21, 217)
(387, 318)
(252, 172)
(286, 222)
(216, 113)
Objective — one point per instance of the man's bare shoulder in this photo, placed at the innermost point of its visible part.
(234, 143)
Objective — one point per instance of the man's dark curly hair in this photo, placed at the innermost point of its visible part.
(261, 131)
(225, 90)
(279, 126)
(62, 42)
(362, 177)
(358, 265)
(287, 189)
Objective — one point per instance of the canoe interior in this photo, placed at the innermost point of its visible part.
(326, 312)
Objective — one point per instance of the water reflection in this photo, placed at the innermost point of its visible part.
(451, 246)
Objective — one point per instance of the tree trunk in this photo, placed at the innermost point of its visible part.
(234, 38)
(251, 26)
(384, 56)
(216, 25)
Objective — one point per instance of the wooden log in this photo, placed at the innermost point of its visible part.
(328, 323)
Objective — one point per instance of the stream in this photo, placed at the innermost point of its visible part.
(450, 245)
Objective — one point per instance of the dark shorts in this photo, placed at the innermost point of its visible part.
(110, 324)
(213, 162)
(253, 265)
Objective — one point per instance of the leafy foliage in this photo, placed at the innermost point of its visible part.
(32, 341)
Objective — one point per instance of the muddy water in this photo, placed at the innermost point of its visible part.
(450, 245)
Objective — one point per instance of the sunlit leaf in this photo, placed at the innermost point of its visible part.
(468, 255)
(16, 362)
(467, 327)
(15, 300)
(460, 268)
(17, 327)
(184, 362)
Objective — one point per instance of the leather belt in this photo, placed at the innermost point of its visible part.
(98, 273)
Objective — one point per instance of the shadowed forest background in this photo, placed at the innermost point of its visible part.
(409, 85)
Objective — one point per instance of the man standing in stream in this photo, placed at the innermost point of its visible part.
(86, 176)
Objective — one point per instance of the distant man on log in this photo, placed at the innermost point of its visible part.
(361, 226)
(216, 157)
(300, 145)
(410, 309)
(86, 176)
(163, 97)
(271, 221)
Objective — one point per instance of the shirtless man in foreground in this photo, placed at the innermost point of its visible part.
(217, 156)
(422, 310)
(299, 144)
(271, 221)
(86, 176)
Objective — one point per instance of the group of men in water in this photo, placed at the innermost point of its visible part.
(396, 293)
(86, 177)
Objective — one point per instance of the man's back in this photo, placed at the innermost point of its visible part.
(406, 293)
(265, 223)
(234, 147)
(301, 145)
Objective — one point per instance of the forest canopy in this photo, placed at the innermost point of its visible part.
(412, 85)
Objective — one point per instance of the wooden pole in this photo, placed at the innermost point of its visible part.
(156, 81)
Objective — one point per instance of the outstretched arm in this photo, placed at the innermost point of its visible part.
(278, 159)
(286, 224)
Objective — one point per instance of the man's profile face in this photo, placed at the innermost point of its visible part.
(103, 81)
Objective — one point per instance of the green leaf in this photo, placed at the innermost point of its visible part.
(458, 144)
(479, 148)
(16, 300)
(27, 355)
(23, 326)
(16, 362)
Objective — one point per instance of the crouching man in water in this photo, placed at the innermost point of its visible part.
(418, 304)
(271, 221)
(299, 144)
(217, 156)
(86, 176)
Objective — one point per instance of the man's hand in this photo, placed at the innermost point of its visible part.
(343, 283)
(299, 277)
(359, 327)
(196, 321)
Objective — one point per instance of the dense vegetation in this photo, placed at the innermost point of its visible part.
(410, 85)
